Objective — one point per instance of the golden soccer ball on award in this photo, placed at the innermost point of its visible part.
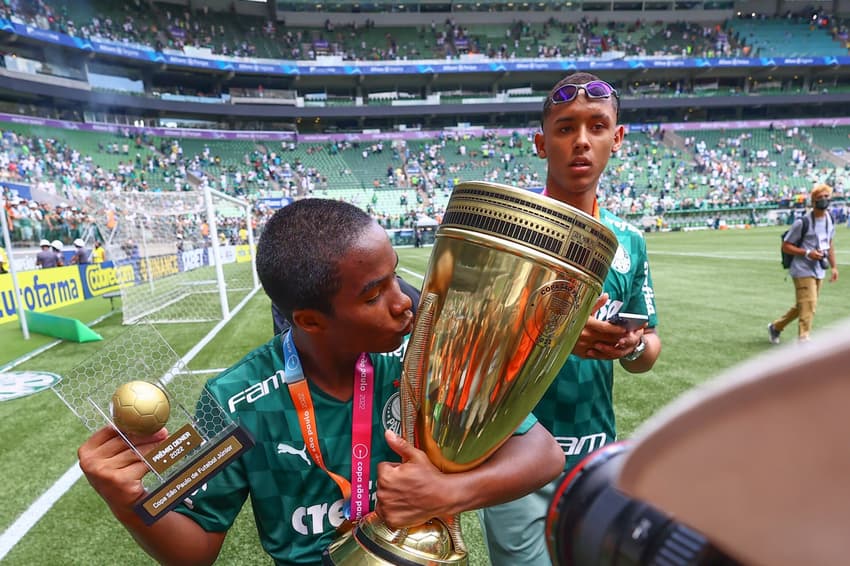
(139, 408)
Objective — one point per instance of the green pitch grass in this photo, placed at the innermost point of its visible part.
(715, 291)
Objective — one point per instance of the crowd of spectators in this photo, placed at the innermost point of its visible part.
(729, 172)
(175, 27)
(31, 222)
(179, 28)
(133, 26)
(592, 38)
(647, 176)
(143, 163)
(35, 224)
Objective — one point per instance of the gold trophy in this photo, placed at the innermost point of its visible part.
(512, 278)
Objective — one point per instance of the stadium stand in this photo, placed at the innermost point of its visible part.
(782, 38)
(660, 170)
(655, 172)
(167, 26)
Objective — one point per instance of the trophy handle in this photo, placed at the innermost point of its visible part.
(453, 524)
(415, 365)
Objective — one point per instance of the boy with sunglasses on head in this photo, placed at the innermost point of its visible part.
(320, 402)
(579, 134)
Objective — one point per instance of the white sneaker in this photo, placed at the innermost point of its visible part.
(772, 334)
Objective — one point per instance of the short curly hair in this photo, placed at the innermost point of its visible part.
(298, 254)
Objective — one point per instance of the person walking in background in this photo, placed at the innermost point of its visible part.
(810, 241)
(579, 134)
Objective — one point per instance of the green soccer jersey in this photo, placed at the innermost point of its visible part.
(578, 407)
(297, 506)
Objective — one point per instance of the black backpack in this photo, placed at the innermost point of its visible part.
(786, 258)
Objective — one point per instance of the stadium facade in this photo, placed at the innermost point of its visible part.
(54, 73)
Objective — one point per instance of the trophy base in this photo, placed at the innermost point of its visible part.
(372, 543)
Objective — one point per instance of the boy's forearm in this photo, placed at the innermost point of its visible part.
(523, 464)
(647, 360)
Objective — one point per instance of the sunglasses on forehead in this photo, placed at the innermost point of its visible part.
(593, 89)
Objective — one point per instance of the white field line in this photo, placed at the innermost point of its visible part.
(752, 255)
(38, 509)
(202, 371)
(413, 273)
(42, 505)
(744, 256)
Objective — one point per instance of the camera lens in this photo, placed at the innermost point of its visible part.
(592, 523)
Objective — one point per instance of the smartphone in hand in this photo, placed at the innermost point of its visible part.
(628, 320)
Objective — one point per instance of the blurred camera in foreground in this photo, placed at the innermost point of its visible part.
(751, 462)
(592, 523)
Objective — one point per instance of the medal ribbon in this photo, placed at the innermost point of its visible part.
(361, 425)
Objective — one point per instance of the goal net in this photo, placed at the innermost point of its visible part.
(180, 256)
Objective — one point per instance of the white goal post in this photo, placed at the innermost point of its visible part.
(182, 256)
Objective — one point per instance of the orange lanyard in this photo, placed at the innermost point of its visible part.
(307, 419)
